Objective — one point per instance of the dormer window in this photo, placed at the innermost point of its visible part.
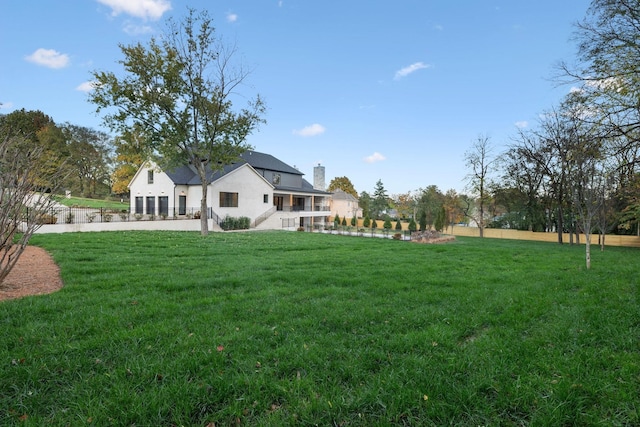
(150, 177)
(276, 179)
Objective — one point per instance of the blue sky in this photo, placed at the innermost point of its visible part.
(377, 89)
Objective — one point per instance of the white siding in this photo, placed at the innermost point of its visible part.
(161, 186)
(251, 189)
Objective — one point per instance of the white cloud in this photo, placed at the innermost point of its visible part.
(6, 105)
(522, 124)
(375, 157)
(145, 9)
(86, 86)
(403, 72)
(49, 58)
(232, 17)
(136, 30)
(312, 130)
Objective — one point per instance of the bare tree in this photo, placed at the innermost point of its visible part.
(588, 182)
(23, 201)
(479, 161)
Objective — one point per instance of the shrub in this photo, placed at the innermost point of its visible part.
(232, 223)
(397, 236)
(124, 216)
(47, 219)
(366, 222)
(398, 225)
(69, 218)
(354, 221)
(91, 217)
(107, 217)
(387, 224)
(412, 225)
(138, 217)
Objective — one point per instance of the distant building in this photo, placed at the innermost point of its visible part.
(344, 205)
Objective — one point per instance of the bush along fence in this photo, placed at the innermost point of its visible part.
(75, 215)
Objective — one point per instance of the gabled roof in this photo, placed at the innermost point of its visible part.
(186, 174)
(339, 194)
(268, 162)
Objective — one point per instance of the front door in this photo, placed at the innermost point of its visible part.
(278, 202)
(163, 205)
(182, 205)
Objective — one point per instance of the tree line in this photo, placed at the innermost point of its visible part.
(576, 170)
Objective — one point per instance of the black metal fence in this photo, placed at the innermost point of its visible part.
(68, 215)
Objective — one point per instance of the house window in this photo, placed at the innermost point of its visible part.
(150, 177)
(228, 200)
(139, 205)
(265, 198)
(276, 179)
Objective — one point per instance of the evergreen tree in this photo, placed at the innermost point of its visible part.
(412, 225)
(422, 220)
(380, 200)
(387, 223)
(440, 220)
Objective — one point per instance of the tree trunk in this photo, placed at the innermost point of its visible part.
(204, 215)
(560, 223)
(587, 246)
(481, 219)
(204, 212)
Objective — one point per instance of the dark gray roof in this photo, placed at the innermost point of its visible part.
(268, 162)
(181, 175)
(186, 175)
(306, 188)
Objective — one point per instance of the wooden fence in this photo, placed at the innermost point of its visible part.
(499, 233)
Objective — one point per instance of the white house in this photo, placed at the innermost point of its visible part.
(269, 192)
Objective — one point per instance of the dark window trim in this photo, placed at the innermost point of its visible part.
(228, 199)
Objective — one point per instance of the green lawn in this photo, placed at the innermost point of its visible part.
(288, 328)
(82, 202)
